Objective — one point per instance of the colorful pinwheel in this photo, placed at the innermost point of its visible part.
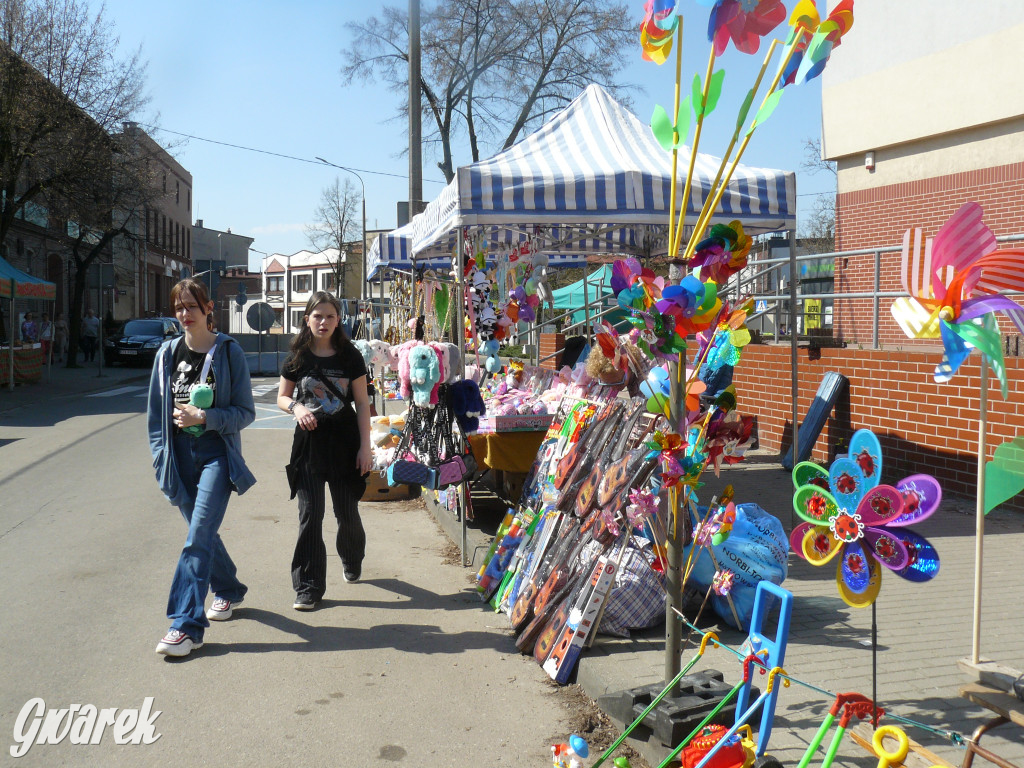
(954, 282)
(847, 513)
(722, 253)
(728, 437)
(744, 22)
(660, 21)
(814, 39)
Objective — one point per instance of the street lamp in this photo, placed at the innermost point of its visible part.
(362, 250)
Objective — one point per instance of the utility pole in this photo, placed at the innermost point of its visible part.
(415, 113)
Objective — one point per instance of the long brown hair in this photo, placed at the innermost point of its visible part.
(197, 289)
(304, 338)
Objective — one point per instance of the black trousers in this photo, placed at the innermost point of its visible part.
(309, 563)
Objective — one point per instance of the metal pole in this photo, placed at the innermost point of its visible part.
(793, 373)
(875, 300)
(586, 302)
(415, 115)
(673, 528)
(460, 340)
(979, 512)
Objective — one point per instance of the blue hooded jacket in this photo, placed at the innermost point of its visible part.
(232, 411)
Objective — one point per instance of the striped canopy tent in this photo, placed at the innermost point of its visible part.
(594, 179)
(390, 249)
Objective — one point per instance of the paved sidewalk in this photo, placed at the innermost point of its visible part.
(60, 381)
(923, 630)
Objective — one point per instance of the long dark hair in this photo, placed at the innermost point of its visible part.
(303, 340)
(197, 289)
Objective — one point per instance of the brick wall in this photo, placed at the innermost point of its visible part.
(871, 217)
(923, 426)
(550, 343)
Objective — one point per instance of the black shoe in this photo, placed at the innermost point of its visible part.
(352, 574)
(304, 603)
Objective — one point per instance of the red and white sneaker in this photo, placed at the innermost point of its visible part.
(176, 643)
(221, 609)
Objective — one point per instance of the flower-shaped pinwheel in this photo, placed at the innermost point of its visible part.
(954, 283)
(660, 21)
(693, 304)
(722, 253)
(658, 388)
(847, 513)
(680, 463)
(813, 39)
(744, 22)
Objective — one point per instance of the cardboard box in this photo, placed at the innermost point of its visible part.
(377, 489)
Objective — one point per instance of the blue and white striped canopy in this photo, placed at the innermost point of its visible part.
(596, 175)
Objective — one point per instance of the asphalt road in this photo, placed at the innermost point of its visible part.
(402, 668)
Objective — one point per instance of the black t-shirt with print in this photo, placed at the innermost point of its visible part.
(331, 448)
(188, 366)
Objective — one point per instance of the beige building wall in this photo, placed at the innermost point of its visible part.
(930, 87)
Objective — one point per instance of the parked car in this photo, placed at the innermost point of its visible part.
(139, 339)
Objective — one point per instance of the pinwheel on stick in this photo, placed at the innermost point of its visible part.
(847, 513)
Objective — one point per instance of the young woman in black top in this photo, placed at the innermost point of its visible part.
(320, 381)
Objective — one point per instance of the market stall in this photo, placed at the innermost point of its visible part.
(26, 364)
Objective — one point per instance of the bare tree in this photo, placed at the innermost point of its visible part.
(336, 225)
(64, 92)
(819, 227)
(494, 69)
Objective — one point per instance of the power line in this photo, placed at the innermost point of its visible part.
(277, 154)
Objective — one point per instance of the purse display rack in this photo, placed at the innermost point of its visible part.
(427, 431)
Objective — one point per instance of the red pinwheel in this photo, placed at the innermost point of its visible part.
(744, 22)
(863, 521)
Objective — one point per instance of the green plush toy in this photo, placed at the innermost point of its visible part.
(201, 396)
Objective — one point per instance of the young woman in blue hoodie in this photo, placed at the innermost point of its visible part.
(197, 454)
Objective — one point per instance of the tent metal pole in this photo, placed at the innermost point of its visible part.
(586, 299)
(463, 491)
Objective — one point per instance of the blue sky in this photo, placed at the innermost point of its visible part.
(266, 75)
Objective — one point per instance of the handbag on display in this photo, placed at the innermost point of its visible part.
(406, 472)
(457, 467)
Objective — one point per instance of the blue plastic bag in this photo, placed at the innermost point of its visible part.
(756, 550)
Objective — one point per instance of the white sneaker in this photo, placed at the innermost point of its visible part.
(221, 609)
(176, 643)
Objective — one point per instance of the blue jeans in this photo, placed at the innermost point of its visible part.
(204, 563)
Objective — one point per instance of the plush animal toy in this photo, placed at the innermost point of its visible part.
(455, 363)
(404, 380)
(201, 396)
(424, 375)
(379, 353)
(540, 274)
(364, 349)
(441, 350)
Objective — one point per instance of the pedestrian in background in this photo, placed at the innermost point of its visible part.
(29, 330)
(90, 335)
(46, 335)
(60, 337)
(197, 453)
(321, 379)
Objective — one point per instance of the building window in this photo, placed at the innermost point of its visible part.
(278, 318)
(302, 283)
(177, 192)
(329, 282)
(165, 182)
(188, 198)
(297, 315)
(275, 284)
